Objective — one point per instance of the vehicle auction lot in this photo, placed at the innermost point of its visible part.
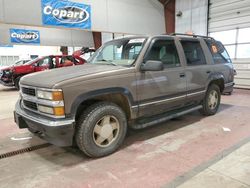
(152, 157)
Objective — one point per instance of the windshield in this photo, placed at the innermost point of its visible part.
(32, 61)
(21, 62)
(122, 52)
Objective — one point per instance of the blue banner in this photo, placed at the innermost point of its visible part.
(6, 46)
(24, 36)
(66, 14)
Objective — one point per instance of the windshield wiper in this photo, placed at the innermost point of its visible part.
(109, 62)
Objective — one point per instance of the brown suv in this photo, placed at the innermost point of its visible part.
(135, 81)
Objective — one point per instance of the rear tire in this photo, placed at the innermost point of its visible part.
(211, 102)
(101, 129)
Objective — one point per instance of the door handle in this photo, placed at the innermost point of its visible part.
(182, 75)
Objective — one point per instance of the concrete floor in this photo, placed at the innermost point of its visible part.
(232, 172)
(171, 154)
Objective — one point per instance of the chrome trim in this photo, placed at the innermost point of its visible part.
(39, 88)
(41, 113)
(162, 101)
(170, 99)
(229, 84)
(39, 101)
(41, 120)
(42, 101)
(196, 93)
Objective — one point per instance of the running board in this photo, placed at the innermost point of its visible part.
(164, 117)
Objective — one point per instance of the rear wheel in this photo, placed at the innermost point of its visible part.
(101, 129)
(211, 102)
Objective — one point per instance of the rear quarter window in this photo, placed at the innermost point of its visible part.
(218, 51)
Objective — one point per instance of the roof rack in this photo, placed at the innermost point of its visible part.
(190, 35)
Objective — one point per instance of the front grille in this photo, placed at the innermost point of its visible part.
(28, 91)
(30, 105)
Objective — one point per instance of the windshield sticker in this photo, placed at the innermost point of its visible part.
(141, 40)
(214, 49)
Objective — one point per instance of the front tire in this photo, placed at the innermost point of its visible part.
(211, 102)
(101, 129)
(16, 82)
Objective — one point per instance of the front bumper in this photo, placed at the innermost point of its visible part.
(7, 83)
(228, 87)
(57, 132)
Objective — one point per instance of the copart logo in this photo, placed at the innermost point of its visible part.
(28, 36)
(69, 14)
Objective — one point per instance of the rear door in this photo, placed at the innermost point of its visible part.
(161, 91)
(197, 69)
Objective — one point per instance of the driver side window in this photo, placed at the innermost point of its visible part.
(164, 51)
(44, 62)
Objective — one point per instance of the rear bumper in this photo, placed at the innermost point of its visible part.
(57, 132)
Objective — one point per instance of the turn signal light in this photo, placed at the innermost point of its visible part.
(57, 95)
(59, 111)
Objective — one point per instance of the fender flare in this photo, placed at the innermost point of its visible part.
(92, 94)
(213, 77)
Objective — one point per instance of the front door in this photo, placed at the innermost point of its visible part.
(165, 90)
(44, 64)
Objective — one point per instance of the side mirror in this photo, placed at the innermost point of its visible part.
(152, 66)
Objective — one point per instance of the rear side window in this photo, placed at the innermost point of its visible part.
(193, 52)
(164, 51)
(218, 52)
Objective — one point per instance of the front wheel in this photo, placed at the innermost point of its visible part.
(101, 129)
(16, 82)
(211, 102)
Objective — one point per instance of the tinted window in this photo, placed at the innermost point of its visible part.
(165, 51)
(218, 52)
(193, 52)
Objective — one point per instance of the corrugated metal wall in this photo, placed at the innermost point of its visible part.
(193, 18)
(242, 79)
(228, 14)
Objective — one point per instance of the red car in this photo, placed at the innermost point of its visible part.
(10, 76)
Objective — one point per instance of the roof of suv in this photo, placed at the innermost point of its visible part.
(180, 35)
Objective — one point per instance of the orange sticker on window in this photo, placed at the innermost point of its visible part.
(214, 49)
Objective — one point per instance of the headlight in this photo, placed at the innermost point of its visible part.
(50, 95)
(45, 109)
(8, 72)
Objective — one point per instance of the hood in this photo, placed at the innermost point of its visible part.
(47, 79)
(17, 67)
(6, 68)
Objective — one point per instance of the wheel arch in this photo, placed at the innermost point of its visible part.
(217, 79)
(120, 96)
